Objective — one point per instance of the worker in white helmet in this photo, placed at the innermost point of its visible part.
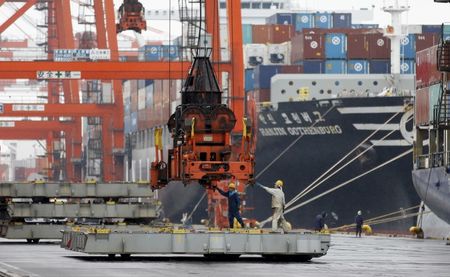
(278, 204)
(359, 221)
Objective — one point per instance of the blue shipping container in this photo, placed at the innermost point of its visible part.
(380, 66)
(170, 52)
(446, 32)
(358, 67)
(247, 33)
(134, 122)
(280, 18)
(407, 67)
(323, 20)
(127, 106)
(303, 20)
(313, 66)
(127, 124)
(335, 46)
(249, 79)
(365, 26)
(431, 29)
(335, 67)
(408, 47)
(263, 74)
(151, 52)
(342, 20)
(149, 88)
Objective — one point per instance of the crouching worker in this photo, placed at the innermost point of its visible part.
(234, 202)
(278, 203)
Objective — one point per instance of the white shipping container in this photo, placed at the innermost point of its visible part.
(411, 29)
(279, 54)
(126, 89)
(107, 96)
(141, 98)
(255, 54)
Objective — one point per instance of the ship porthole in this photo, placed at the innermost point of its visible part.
(321, 91)
(329, 91)
(375, 83)
(242, 167)
(314, 83)
(360, 83)
(336, 83)
(283, 91)
(291, 83)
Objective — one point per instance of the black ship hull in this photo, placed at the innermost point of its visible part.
(299, 141)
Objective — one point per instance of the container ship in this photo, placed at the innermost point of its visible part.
(431, 153)
(320, 89)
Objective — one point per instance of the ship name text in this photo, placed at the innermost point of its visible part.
(301, 131)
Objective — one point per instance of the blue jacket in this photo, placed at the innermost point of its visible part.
(320, 222)
(359, 220)
(234, 202)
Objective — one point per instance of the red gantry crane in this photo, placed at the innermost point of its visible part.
(64, 78)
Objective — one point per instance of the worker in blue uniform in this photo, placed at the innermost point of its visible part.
(359, 221)
(320, 221)
(234, 202)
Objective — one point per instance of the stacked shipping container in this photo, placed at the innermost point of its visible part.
(429, 87)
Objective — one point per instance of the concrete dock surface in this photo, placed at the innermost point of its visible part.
(348, 256)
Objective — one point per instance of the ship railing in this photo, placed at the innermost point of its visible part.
(437, 159)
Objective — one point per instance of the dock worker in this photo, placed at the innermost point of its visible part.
(320, 221)
(234, 202)
(278, 204)
(359, 221)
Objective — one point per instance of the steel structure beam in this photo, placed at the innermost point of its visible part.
(113, 130)
(56, 110)
(237, 57)
(35, 125)
(17, 14)
(112, 70)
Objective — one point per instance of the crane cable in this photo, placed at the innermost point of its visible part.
(312, 187)
(290, 146)
(315, 183)
(379, 219)
(196, 206)
(342, 184)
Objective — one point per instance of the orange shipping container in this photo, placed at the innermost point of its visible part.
(14, 43)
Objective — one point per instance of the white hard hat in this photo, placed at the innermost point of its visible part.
(359, 212)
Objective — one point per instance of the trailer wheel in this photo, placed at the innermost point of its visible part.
(125, 256)
(33, 241)
(221, 257)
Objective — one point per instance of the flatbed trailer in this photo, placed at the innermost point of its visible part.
(296, 245)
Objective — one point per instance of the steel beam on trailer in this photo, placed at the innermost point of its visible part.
(75, 190)
(21, 11)
(83, 210)
(298, 244)
(15, 230)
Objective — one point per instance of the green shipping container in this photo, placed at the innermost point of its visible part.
(247, 33)
(435, 95)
